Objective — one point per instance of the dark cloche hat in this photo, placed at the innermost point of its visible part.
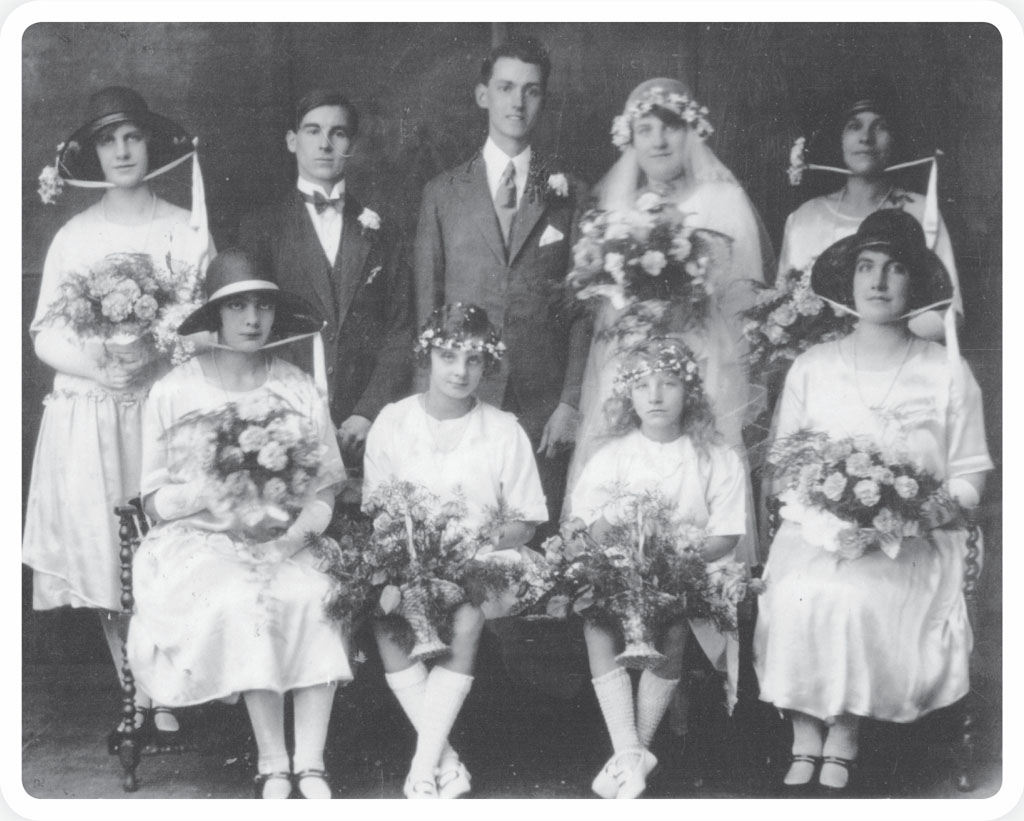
(233, 272)
(168, 142)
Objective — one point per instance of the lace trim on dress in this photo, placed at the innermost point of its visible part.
(95, 394)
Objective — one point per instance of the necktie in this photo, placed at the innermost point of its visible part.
(321, 203)
(505, 201)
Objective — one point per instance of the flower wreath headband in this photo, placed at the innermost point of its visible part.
(670, 359)
(434, 336)
(683, 106)
(930, 220)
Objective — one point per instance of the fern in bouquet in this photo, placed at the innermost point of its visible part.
(339, 551)
(851, 496)
(645, 571)
(788, 319)
(645, 260)
(261, 459)
(130, 302)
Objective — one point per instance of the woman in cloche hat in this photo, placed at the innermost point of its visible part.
(96, 283)
(871, 623)
(240, 464)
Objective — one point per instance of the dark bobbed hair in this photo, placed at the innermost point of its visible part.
(698, 418)
(527, 49)
(459, 321)
(325, 96)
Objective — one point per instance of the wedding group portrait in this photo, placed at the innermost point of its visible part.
(436, 410)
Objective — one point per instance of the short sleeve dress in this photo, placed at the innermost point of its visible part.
(213, 616)
(708, 487)
(483, 457)
(89, 449)
(877, 637)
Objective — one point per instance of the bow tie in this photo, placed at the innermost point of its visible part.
(322, 203)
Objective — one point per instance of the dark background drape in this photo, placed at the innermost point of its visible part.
(232, 84)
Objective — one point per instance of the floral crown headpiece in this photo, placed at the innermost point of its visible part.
(434, 335)
(673, 359)
(682, 105)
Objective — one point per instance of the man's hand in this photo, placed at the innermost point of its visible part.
(352, 436)
(560, 431)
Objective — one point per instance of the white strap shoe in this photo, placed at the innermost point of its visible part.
(419, 787)
(453, 779)
(625, 774)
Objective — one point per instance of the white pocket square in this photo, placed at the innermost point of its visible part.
(551, 234)
(373, 274)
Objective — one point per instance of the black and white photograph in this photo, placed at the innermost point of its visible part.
(424, 410)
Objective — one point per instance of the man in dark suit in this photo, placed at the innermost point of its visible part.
(322, 244)
(498, 231)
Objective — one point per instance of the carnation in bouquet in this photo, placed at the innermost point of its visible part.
(851, 496)
(260, 458)
(645, 260)
(130, 302)
(788, 319)
(645, 572)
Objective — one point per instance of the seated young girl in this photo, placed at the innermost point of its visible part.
(667, 443)
(457, 447)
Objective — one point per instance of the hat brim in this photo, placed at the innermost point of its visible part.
(293, 315)
(168, 142)
(832, 275)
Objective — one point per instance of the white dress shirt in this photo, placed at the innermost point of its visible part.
(496, 162)
(328, 223)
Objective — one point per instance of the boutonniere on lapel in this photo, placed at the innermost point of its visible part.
(545, 185)
(369, 220)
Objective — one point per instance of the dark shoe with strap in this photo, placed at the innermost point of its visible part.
(166, 738)
(804, 787)
(312, 773)
(847, 764)
(261, 780)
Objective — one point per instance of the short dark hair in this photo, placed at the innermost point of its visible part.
(526, 49)
(325, 96)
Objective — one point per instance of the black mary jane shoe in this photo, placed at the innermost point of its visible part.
(809, 786)
(848, 764)
(142, 735)
(166, 738)
(261, 779)
(311, 772)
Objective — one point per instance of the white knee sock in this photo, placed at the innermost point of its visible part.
(615, 695)
(266, 714)
(409, 686)
(312, 714)
(652, 700)
(443, 698)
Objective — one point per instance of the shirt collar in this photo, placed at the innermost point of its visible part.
(496, 160)
(306, 187)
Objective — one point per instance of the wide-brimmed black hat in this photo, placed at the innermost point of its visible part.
(168, 142)
(233, 272)
(900, 235)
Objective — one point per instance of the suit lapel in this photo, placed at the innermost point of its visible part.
(355, 247)
(309, 247)
(477, 196)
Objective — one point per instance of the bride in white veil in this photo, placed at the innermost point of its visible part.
(662, 134)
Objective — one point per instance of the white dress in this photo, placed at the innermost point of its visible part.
(89, 449)
(817, 224)
(211, 619)
(709, 490)
(483, 457)
(876, 637)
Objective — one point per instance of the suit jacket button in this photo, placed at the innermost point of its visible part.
(330, 369)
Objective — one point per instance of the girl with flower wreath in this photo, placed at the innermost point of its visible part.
(457, 447)
(89, 447)
(839, 639)
(226, 605)
(863, 141)
(667, 443)
(662, 135)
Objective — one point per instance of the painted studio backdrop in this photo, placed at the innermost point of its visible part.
(765, 84)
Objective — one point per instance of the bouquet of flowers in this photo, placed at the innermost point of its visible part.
(127, 297)
(260, 458)
(644, 260)
(788, 319)
(644, 572)
(850, 496)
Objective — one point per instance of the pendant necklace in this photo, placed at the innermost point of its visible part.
(878, 407)
(223, 386)
(446, 442)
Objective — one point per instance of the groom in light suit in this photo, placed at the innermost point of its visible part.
(498, 231)
(321, 243)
